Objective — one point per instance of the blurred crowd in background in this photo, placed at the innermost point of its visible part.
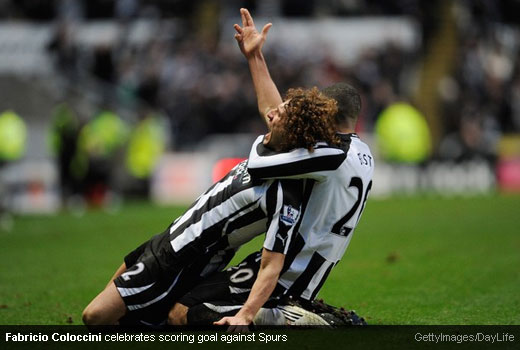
(204, 89)
(480, 96)
(187, 81)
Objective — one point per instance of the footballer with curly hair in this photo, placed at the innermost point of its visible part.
(233, 211)
(333, 201)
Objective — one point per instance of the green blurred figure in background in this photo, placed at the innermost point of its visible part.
(98, 144)
(403, 136)
(13, 134)
(146, 145)
(13, 137)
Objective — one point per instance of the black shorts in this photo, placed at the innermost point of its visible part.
(152, 283)
(231, 286)
(225, 292)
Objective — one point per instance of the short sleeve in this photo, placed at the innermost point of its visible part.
(284, 203)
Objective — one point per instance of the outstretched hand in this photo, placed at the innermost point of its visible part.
(249, 39)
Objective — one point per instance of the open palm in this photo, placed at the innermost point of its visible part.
(248, 38)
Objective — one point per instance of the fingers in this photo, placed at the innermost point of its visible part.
(249, 19)
(238, 35)
(223, 321)
(246, 16)
(243, 16)
(266, 29)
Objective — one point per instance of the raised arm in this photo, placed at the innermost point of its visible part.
(250, 42)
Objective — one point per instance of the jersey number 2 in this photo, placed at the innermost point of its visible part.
(339, 227)
(139, 268)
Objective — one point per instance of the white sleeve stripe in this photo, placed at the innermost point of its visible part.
(201, 201)
(307, 168)
(289, 238)
(277, 238)
(298, 163)
(257, 161)
(275, 221)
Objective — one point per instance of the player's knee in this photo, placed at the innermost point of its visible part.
(93, 316)
(89, 316)
(178, 315)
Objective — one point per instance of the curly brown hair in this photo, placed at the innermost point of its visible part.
(309, 118)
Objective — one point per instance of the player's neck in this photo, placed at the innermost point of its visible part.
(345, 130)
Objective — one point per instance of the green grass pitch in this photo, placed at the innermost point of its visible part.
(418, 260)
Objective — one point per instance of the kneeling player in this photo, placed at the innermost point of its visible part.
(333, 203)
(230, 213)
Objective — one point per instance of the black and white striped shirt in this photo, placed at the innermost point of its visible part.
(337, 183)
(235, 210)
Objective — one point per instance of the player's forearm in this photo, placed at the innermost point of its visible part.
(267, 93)
(260, 293)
